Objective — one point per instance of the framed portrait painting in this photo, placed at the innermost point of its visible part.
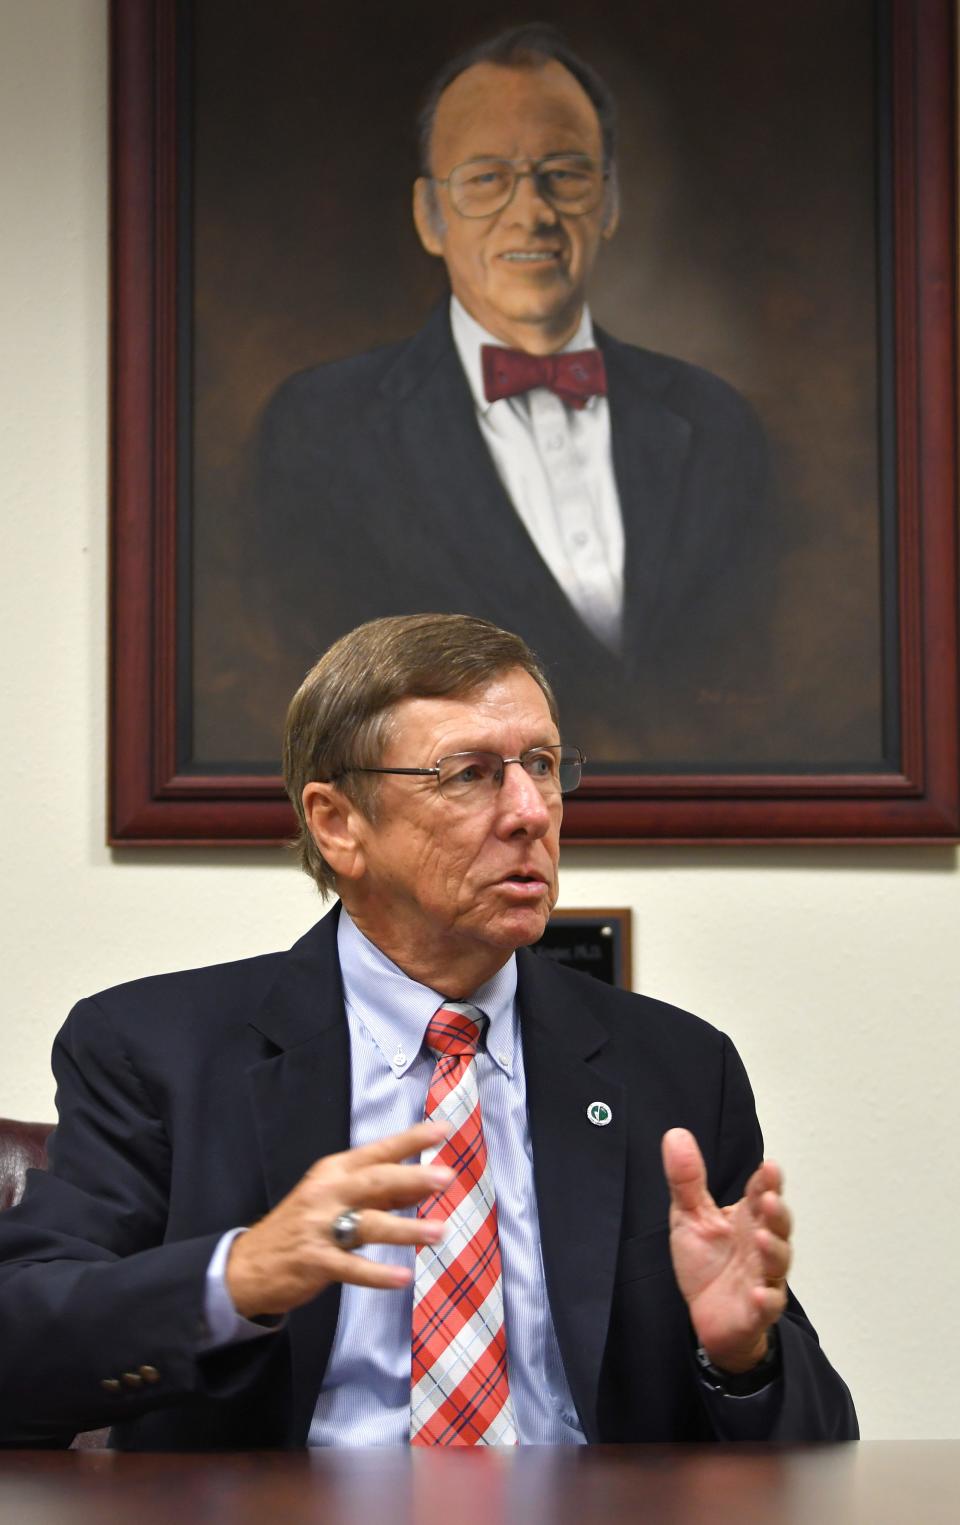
(752, 628)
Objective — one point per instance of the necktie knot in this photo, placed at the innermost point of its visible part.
(574, 376)
(453, 1033)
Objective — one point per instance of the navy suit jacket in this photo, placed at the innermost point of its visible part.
(190, 1103)
(377, 495)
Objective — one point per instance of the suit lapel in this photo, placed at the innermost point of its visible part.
(301, 1105)
(579, 1169)
(650, 445)
(427, 429)
(488, 566)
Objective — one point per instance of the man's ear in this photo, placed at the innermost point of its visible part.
(426, 216)
(334, 822)
(611, 206)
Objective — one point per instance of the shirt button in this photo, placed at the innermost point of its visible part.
(131, 1379)
(503, 1059)
(149, 1374)
(580, 537)
(110, 1384)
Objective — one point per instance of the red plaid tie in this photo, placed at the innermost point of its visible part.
(459, 1394)
(575, 376)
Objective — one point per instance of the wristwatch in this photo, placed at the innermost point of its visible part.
(742, 1384)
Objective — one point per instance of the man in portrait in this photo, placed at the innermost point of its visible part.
(512, 460)
(228, 1251)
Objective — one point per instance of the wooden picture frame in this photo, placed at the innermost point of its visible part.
(159, 796)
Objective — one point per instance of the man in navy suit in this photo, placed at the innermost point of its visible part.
(513, 461)
(222, 1253)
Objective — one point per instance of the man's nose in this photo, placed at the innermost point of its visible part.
(521, 801)
(529, 204)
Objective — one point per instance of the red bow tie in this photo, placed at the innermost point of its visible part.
(575, 376)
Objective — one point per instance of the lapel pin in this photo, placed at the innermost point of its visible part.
(599, 1114)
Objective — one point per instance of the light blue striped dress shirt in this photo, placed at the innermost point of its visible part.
(365, 1397)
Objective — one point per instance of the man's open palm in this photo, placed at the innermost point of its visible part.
(730, 1262)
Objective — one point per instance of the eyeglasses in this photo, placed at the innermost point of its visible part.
(572, 183)
(474, 777)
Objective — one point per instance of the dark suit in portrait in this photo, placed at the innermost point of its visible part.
(377, 495)
(192, 1102)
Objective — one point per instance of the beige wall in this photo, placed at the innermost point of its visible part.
(837, 972)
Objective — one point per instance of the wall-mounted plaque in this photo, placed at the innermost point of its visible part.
(596, 942)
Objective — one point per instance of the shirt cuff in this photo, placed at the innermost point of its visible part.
(224, 1325)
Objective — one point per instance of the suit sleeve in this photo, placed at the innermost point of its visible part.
(808, 1401)
(101, 1314)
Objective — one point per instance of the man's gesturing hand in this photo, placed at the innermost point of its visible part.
(288, 1257)
(730, 1262)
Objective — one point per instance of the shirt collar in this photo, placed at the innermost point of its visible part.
(395, 1009)
(468, 336)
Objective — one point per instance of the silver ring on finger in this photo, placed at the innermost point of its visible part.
(344, 1230)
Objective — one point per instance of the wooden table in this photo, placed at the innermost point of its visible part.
(906, 1482)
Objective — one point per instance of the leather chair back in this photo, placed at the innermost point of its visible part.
(23, 1147)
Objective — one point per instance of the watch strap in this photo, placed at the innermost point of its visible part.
(742, 1384)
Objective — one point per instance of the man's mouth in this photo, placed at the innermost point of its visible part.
(531, 256)
(525, 881)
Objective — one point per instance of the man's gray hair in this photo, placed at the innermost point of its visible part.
(341, 715)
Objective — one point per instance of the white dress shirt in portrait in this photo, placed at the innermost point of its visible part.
(556, 465)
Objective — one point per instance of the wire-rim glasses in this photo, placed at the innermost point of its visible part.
(473, 777)
(571, 183)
